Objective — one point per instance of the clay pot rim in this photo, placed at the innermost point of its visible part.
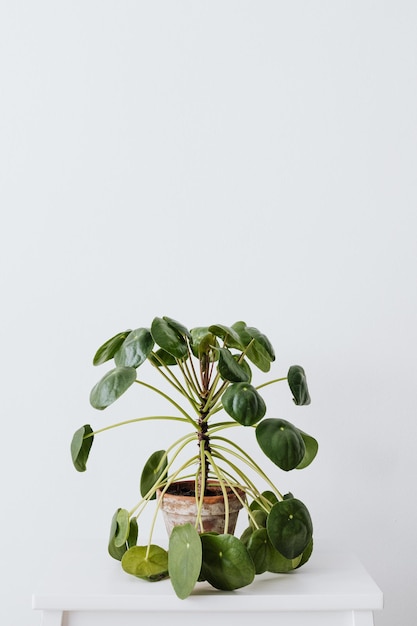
(206, 499)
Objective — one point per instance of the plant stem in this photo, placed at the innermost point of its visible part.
(271, 382)
(164, 395)
(137, 419)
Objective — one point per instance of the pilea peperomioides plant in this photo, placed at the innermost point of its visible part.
(208, 369)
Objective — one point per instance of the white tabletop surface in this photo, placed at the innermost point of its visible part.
(87, 580)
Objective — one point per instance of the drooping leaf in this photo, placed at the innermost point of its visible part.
(289, 527)
(311, 449)
(169, 338)
(112, 386)
(257, 353)
(230, 337)
(242, 402)
(80, 447)
(226, 562)
(135, 349)
(150, 565)
(184, 559)
(109, 348)
(281, 442)
(230, 369)
(258, 549)
(114, 551)
(306, 553)
(154, 468)
(298, 384)
(133, 532)
(122, 529)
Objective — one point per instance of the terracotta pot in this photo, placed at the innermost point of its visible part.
(180, 509)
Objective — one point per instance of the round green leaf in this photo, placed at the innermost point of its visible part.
(226, 562)
(242, 402)
(289, 527)
(112, 386)
(311, 449)
(133, 532)
(80, 447)
(262, 340)
(184, 559)
(149, 564)
(169, 338)
(306, 554)
(154, 468)
(180, 328)
(230, 369)
(162, 357)
(281, 442)
(257, 353)
(135, 349)
(298, 384)
(203, 342)
(109, 348)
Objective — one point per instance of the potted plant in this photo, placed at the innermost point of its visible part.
(209, 370)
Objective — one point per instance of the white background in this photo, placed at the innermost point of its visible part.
(209, 161)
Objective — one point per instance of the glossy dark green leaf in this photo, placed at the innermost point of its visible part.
(258, 518)
(262, 340)
(226, 562)
(246, 535)
(154, 468)
(256, 353)
(180, 328)
(135, 349)
(258, 548)
(279, 564)
(311, 449)
(230, 369)
(289, 527)
(230, 337)
(80, 447)
(306, 554)
(152, 565)
(242, 402)
(109, 348)
(259, 503)
(112, 386)
(122, 529)
(162, 357)
(298, 384)
(184, 559)
(169, 338)
(133, 532)
(114, 551)
(281, 442)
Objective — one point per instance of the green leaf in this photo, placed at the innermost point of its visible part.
(226, 562)
(298, 384)
(203, 342)
(262, 340)
(242, 402)
(230, 369)
(112, 386)
(289, 527)
(180, 328)
(122, 529)
(306, 554)
(169, 338)
(135, 349)
(258, 548)
(311, 449)
(133, 533)
(257, 353)
(109, 348)
(281, 442)
(162, 355)
(229, 335)
(154, 468)
(80, 447)
(114, 551)
(152, 566)
(184, 559)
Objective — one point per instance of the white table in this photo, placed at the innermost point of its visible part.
(332, 589)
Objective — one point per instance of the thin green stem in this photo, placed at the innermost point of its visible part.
(137, 419)
(164, 395)
(271, 382)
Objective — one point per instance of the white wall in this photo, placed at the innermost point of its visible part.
(210, 161)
